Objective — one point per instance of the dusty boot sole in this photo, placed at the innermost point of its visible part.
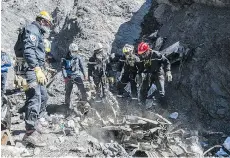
(30, 143)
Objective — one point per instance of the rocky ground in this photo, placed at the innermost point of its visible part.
(199, 91)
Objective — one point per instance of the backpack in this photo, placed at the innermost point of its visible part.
(18, 47)
(71, 65)
(20, 64)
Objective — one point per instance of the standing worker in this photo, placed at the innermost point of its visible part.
(31, 45)
(128, 68)
(99, 70)
(5, 64)
(72, 70)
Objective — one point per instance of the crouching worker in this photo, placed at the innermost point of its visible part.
(156, 66)
(72, 70)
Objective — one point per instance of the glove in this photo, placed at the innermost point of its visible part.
(169, 76)
(111, 80)
(20, 82)
(41, 78)
(66, 79)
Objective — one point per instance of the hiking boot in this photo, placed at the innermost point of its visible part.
(33, 138)
(42, 129)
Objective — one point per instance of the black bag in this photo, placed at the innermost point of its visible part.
(18, 47)
(20, 65)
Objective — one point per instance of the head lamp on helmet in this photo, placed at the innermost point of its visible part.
(127, 49)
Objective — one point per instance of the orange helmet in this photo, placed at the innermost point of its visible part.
(142, 48)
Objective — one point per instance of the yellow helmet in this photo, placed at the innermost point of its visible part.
(128, 49)
(45, 15)
(47, 45)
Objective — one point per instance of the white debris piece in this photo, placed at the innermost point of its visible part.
(227, 143)
(221, 153)
(71, 124)
(174, 115)
(61, 139)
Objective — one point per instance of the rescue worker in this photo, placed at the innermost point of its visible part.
(5, 65)
(72, 70)
(99, 70)
(128, 68)
(155, 65)
(36, 94)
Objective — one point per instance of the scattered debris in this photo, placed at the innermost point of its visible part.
(138, 133)
(224, 149)
(14, 151)
(175, 52)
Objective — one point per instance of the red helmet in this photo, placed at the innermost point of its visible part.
(142, 47)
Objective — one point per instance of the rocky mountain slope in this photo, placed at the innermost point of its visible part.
(200, 88)
(203, 78)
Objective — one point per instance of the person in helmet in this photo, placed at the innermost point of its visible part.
(128, 68)
(155, 65)
(36, 94)
(99, 66)
(72, 70)
(5, 65)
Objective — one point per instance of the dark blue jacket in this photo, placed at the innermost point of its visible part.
(34, 51)
(5, 62)
(95, 67)
(72, 66)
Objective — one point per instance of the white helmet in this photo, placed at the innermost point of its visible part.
(128, 48)
(73, 47)
(98, 46)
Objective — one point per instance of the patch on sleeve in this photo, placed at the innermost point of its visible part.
(33, 37)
